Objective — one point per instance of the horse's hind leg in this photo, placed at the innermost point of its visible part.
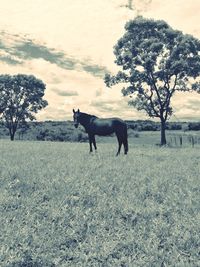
(120, 144)
(125, 140)
(125, 143)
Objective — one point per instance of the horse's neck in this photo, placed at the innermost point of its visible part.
(85, 119)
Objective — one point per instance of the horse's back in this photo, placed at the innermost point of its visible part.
(107, 126)
(109, 121)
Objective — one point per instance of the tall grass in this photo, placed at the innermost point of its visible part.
(61, 206)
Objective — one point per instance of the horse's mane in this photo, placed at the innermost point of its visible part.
(88, 115)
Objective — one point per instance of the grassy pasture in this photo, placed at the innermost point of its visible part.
(61, 206)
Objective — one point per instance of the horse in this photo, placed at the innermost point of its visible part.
(102, 127)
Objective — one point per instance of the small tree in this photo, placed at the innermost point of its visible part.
(157, 61)
(20, 96)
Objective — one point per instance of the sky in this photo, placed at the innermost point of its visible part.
(69, 45)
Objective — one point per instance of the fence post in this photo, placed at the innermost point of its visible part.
(175, 140)
(192, 139)
(171, 141)
(181, 140)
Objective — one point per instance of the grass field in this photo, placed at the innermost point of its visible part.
(61, 206)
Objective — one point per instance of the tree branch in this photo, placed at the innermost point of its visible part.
(156, 90)
(168, 98)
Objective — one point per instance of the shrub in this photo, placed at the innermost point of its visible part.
(195, 126)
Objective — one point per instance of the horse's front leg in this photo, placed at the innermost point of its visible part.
(94, 142)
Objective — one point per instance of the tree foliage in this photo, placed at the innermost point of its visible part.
(20, 97)
(156, 62)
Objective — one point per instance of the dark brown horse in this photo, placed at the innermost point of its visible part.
(95, 126)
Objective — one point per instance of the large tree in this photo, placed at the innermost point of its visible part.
(20, 97)
(156, 62)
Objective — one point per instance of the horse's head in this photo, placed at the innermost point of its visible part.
(76, 117)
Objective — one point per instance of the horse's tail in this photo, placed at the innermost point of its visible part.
(125, 140)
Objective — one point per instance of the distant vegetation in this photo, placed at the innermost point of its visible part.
(48, 131)
(64, 131)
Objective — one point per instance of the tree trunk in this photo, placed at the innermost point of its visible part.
(12, 136)
(163, 141)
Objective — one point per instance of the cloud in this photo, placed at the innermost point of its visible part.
(98, 92)
(186, 106)
(100, 102)
(95, 70)
(31, 50)
(19, 50)
(135, 5)
(104, 106)
(10, 60)
(50, 113)
(112, 104)
(6, 56)
(65, 92)
(194, 104)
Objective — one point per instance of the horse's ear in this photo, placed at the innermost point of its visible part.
(78, 110)
(73, 110)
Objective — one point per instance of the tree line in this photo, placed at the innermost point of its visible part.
(64, 131)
